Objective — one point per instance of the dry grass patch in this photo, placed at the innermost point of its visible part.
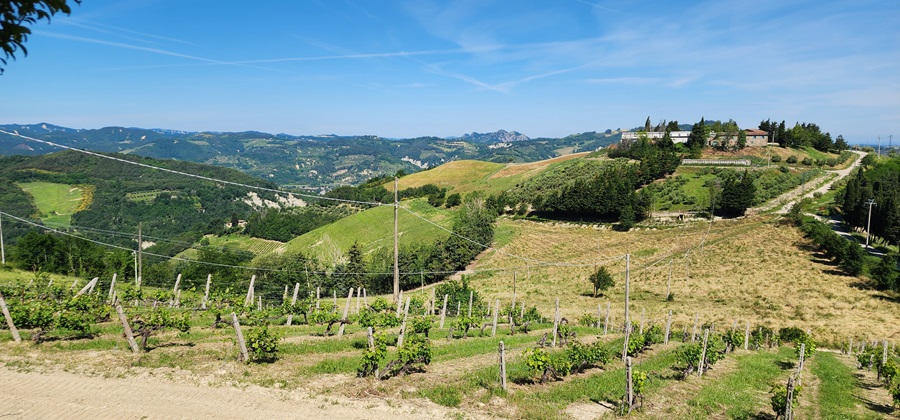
(749, 269)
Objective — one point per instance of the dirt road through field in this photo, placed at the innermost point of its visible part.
(34, 395)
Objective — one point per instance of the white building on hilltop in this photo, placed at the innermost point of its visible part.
(676, 136)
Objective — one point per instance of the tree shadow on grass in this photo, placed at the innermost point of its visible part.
(785, 364)
(170, 344)
(887, 298)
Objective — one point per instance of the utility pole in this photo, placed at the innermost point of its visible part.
(396, 247)
(870, 202)
(879, 146)
(140, 248)
(2, 249)
(627, 296)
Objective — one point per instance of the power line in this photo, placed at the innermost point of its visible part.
(205, 178)
(409, 273)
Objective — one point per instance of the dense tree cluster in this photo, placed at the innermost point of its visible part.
(171, 206)
(879, 182)
(802, 135)
(284, 225)
(848, 255)
(589, 190)
(67, 255)
(657, 159)
(736, 194)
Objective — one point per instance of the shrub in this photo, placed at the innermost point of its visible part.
(792, 159)
(809, 346)
(733, 339)
(262, 344)
(779, 398)
(791, 334)
(588, 320)
(895, 393)
(807, 161)
(372, 357)
(776, 159)
(784, 169)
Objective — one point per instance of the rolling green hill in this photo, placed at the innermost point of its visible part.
(471, 175)
(373, 229)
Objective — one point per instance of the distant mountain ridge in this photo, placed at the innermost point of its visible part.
(311, 162)
(500, 136)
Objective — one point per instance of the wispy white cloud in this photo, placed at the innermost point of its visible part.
(148, 49)
(123, 33)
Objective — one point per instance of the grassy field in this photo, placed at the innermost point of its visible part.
(373, 229)
(465, 176)
(55, 202)
(462, 376)
(245, 243)
(750, 269)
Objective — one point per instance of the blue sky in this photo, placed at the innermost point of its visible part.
(412, 68)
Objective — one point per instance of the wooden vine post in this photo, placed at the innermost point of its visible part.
(747, 336)
(444, 312)
(206, 292)
(668, 327)
(471, 295)
(599, 315)
(629, 384)
(88, 287)
(555, 322)
(788, 409)
(800, 364)
(703, 353)
(249, 299)
(497, 312)
(502, 366)
(403, 325)
(112, 288)
(9, 320)
(694, 332)
(346, 313)
(290, 318)
(245, 357)
(606, 323)
(128, 333)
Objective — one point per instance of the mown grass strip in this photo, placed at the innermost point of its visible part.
(607, 386)
(741, 391)
(836, 387)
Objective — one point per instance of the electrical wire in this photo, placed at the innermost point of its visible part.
(205, 178)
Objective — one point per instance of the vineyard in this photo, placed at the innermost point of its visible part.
(452, 346)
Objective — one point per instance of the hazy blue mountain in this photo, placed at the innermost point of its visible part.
(307, 161)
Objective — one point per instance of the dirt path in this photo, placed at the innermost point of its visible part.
(791, 197)
(55, 394)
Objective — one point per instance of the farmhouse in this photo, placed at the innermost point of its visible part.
(676, 136)
(756, 138)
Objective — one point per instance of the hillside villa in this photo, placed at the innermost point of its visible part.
(755, 137)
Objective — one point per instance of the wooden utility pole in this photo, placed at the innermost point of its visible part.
(396, 246)
(140, 249)
(2, 248)
(627, 297)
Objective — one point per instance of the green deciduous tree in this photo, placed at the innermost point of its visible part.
(16, 15)
(601, 280)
